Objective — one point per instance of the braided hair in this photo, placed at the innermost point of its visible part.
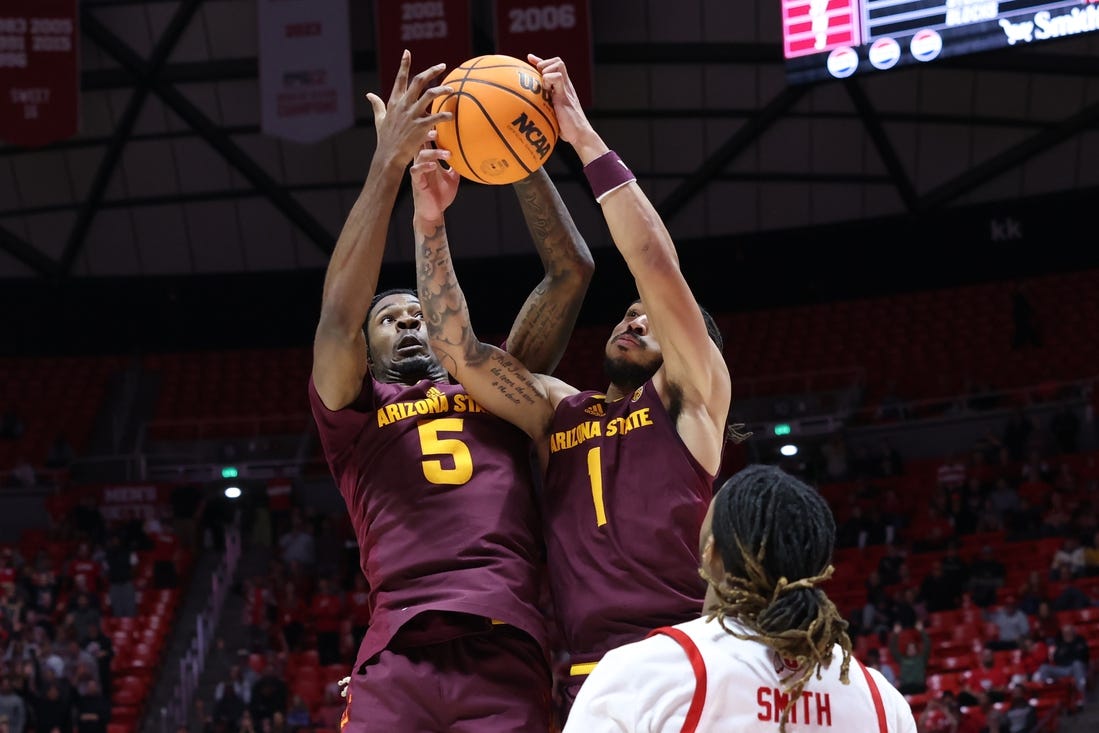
(775, 535)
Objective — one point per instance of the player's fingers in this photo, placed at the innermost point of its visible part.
(421, 80)
(400, 84)
(436, 117)
(377, 105)
(427, 99)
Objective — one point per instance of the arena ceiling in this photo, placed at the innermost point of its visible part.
(171, 174)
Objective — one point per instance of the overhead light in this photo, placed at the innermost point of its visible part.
(232, 492)
(788, 450)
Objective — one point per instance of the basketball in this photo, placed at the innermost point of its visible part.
(504, 127)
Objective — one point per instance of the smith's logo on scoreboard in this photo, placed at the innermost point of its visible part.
(1045, 25)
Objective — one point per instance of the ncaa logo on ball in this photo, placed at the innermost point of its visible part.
(884, 53)
(843, 62)
(925, 45)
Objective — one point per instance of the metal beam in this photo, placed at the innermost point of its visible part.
(741, 139)
(163, 49)
(222, 143)
(872, 122)
(26, 253)
(1045, 139)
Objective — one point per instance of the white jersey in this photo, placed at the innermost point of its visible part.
(649, 686)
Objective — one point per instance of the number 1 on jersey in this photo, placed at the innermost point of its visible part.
(595, 475)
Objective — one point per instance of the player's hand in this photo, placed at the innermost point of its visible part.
(403, 123)
(566, 103)
(433, 187)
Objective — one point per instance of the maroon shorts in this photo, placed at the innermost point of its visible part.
(492, 679)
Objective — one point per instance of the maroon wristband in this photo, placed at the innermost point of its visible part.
(607, 173)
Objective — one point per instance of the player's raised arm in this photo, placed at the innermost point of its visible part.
(544, 324)
(693, 367)
(403, 126)
(493, 377)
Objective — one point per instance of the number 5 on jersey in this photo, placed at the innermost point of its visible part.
(431, 444)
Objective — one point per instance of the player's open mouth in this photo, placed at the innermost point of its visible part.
(409, 345)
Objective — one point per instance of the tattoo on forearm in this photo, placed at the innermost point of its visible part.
(444, 304)
(509, 383)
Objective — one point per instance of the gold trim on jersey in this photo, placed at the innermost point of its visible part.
(585, 668)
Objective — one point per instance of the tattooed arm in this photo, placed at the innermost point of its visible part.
(542, 329)
(493, 377)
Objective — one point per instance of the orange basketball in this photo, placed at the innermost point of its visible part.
(504, 126)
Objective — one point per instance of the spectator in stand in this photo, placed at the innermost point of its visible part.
(298, 545)
(120, 559)
(101, 648)
(937, 717)
(1070, 555)
(82, 571)
(1068, 594)
(989, 518)
(229, 705)
(1005, 499)
(1033, 592)
(52, 709)
(1091, 556)
(1020, 716)
(235, 681)
(327, 613)
(938, 591)
(1011, 623)
(987, 677)
(931, 530)
(889, 566)
(874, 661)
(1057, 518)
(912, 662)
(1025, 329)
(12, 705)
(955, 570)
(986, 575)
(1044, 624)
(269, 695)
(908, 609)
(1070, 658)
(963, 509)
(331, 708)
(982, 717)
(93, 709)
(85, 615)
(298, 717)
(293, 612)
(1033, 653)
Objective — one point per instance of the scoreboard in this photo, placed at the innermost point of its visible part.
(834, 39)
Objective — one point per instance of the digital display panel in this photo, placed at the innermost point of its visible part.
(835, 39)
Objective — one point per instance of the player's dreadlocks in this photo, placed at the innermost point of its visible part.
(775, 535)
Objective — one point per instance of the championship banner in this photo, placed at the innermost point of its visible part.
(305, 68)
(549, 29)
(434, 31)
(39, 71)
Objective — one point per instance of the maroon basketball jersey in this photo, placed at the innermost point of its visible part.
(623, 504)
(440, 495)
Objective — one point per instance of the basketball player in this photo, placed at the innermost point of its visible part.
(629, 472)
(439, 491)
(771, 652)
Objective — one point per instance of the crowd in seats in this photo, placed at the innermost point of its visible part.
(35, 446)
(85, 609)
(976, 575)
